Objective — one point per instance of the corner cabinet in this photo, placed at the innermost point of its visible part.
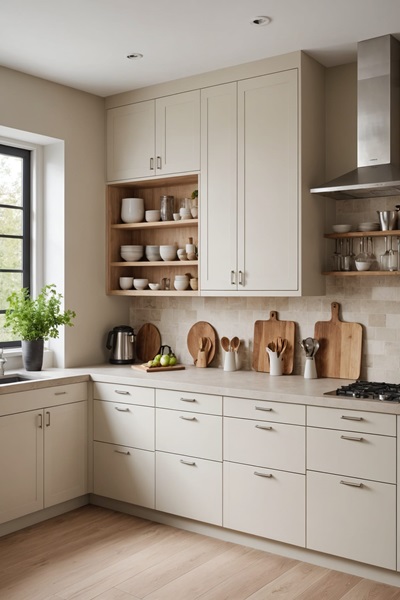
(158, 233)
(156, 137)
(252, 186)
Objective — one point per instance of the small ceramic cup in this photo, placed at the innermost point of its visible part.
(125, 283)
(177, 216)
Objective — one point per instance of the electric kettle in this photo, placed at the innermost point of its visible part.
(121, 342)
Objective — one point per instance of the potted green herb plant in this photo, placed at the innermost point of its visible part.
(36, 320)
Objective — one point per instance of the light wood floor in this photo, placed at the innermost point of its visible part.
(97, 553)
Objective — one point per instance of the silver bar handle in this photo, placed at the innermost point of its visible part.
(267, 427)
(159, 166)
(188, 399)
(262, 474)
(121, 409)
(187, 418)
(241, 278)
(40, 421)
(151, 164)
(126, 452)
(233, 278)
(191, 463)
(264, 409)
(47, 418)
(350, 418)
(351, 438)
(351, 483)
(59, 393)
(122, 392)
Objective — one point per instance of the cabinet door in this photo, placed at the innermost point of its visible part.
(218, 193)
(131, 141)
(352, 518)
(65, 460)
(125, 474)
(268, 194)
(21, 464)
(264, 502)
(178, 133)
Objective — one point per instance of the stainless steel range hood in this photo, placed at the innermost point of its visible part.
(378, 129)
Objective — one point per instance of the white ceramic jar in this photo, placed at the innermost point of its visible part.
(132, 210)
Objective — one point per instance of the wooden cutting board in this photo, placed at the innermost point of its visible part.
(148, 342)
(268, 331)
(155, 369)
(198, 330)
(339, 353)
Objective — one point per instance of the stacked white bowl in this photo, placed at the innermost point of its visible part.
(152, 216)
(152, 253)
(131, 253)
(168, 252)
(181, 282)
(132, 210)
(140, 284)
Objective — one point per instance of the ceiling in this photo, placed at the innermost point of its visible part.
(84, 43)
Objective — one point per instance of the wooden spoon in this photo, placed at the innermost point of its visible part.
(225, 343)
(284, 346)
(235, 343)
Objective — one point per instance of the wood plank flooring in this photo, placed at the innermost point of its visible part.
(95, 553)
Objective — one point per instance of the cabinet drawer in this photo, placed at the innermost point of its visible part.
(352, 518)
(124, 474)
(351, 420)
(189, 487)
(261, 410)
(354, 454)
(189, 433)
(266, 503)
(124, 424)
(129, 394)
(272, 445)
(190, 401)
(55, 395)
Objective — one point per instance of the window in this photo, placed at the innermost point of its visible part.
(15, 200)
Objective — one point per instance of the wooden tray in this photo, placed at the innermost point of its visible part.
(198, 330)
(340, 349)
(268, 331)
(155, 369)
(147, 342)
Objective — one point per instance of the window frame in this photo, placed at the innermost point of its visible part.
(26, 156)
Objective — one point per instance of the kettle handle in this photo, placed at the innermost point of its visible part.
(109, 340)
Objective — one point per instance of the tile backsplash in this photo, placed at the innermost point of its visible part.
(372, 301)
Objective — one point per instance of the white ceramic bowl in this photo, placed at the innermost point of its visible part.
(182, 277)
(140, 284)
(341, 228)
(153, 253)
(176, 216)
(125, 283)
(132, 210)
(180, 285)
(154, 286)
(131, 253)
(152, 216)
(185, 213)
(131, 257)
(168, 252)
(363, 265)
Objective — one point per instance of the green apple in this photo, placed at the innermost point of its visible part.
(157, 357)
(150, 363)
(164, 361)
(172, 360)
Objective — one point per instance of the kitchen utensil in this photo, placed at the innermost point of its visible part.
(121, 342)
(225, 343)
(388, 219)
(265, 332)
(201, 329)
(340, 346)
(384, 258)
(235, 343)
(148, 342)
(309, 346)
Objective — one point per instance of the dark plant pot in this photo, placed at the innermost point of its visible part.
(32, 354)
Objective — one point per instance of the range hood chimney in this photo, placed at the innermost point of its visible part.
(378, 125)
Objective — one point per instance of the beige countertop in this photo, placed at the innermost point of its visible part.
(243, 384)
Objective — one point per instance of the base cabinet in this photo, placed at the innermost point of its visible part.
(265, 502)
(352, 518)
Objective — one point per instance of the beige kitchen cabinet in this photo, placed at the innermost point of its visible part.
(158, 233)
(189, 456)
(155, 137)
(351, 485)
(264, 469)
(123, 432)
(43, 451)
(258, 222)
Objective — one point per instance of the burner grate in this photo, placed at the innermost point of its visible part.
(389, 392)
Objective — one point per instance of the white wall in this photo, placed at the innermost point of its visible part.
(75, 254)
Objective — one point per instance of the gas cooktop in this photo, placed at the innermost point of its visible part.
(385, 392)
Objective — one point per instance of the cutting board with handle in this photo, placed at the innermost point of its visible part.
(269, 331)
(340, 347)
(148, 342)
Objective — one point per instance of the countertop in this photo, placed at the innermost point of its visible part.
(243, 384)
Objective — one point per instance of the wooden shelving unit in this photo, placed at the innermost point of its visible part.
(158, 233)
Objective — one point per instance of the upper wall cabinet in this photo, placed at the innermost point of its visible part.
(156, 137)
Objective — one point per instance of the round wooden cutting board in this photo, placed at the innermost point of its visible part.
(148, 342)
(198, 330)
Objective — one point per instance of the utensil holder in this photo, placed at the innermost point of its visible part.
(310, 370)
(230, 361)
(275, 363)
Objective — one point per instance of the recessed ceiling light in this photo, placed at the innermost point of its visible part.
(134, 56)
(261, 21)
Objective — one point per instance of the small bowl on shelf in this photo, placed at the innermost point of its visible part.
(154, 286)
(168, 252)
(125, 283)
(152, 216)
(341, 228)
(368, 227)
(140, 284)
(363, 265)
(153, 253)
